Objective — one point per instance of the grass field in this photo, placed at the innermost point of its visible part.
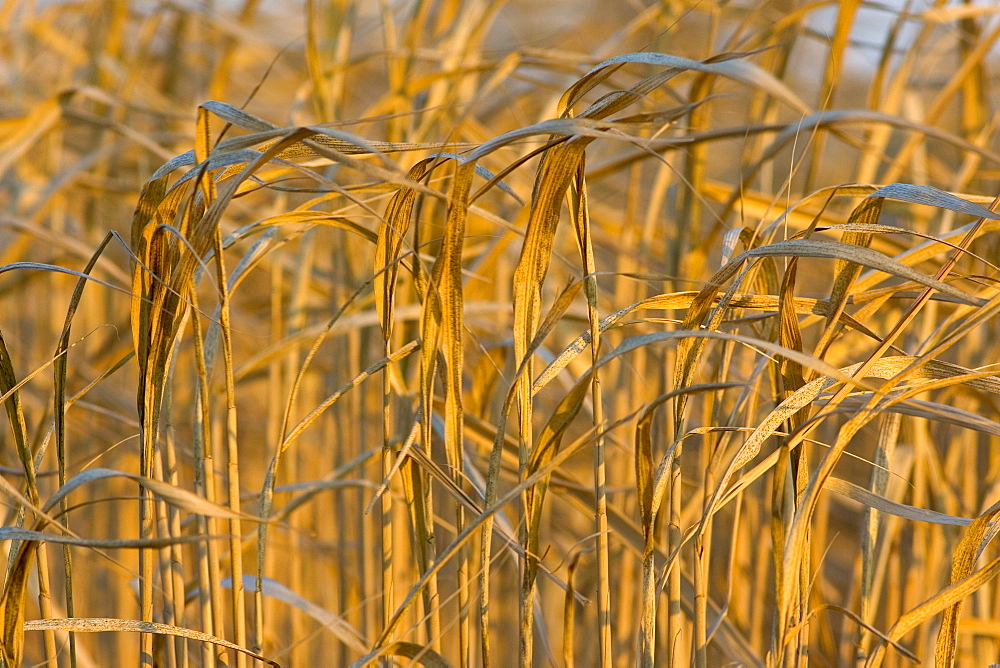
(479, 333)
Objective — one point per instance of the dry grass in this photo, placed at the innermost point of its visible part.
(608, 334)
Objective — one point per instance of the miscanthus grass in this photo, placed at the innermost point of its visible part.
(484, 334)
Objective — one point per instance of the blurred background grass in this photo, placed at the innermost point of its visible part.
(96, 96)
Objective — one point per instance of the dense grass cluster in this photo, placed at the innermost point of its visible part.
(476, 333)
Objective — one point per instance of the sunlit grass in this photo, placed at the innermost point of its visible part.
(461, 334)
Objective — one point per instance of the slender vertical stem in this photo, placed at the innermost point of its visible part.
(232, 460)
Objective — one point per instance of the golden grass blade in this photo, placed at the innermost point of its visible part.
(947, 597)
(389, 243)
(332, 622)
(857, 255)
(552, 182)
(59, 391)
(889, 428)
(920, 194)
(580, 212)
(447, 274)
(13, 266)
(342, 142)
(729, 66)
(569, 616)
(15, 416)
(884, 505)
(30, 535)
(176, 496)
(104, 625)
(441, 333)
(12, 603)
(418, 654)
(21, 554)
(846, 272)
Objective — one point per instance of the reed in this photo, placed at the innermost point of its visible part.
(478, 334)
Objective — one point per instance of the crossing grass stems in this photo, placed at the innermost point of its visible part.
(447, 334)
